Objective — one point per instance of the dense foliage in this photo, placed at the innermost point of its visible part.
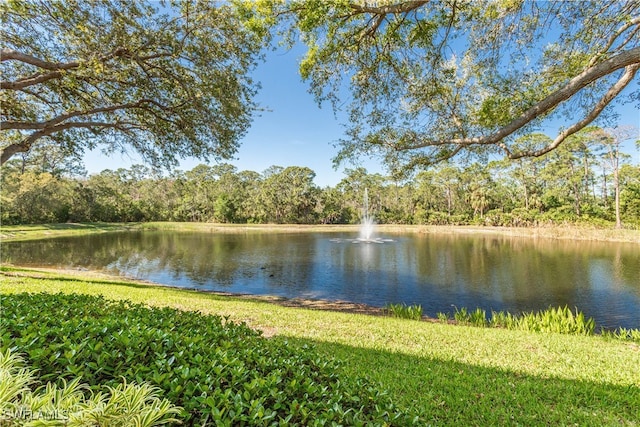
(429, 80)
(167, 80)
(581, 182)
(220, 372)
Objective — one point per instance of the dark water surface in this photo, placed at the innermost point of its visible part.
(436, 271)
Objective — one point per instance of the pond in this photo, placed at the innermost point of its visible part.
(438, 271)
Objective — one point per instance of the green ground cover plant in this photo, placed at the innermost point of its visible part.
(447, 374)
(220, 372)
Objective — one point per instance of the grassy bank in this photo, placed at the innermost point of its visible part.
(44, 231)
(451, 375)
(40, 231)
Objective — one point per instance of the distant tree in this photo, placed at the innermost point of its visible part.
(229, 193)
(478, 186)
(526, 171)
(35, 198)
(353, 187)
(630, 193)
(198, 193)
(562, 181)
(332, 208)
(51, 158)
(610, 141)
(425, 196)
(248, 205)
(432, 80)
(167, 82)
(447, 178)
(288, 195)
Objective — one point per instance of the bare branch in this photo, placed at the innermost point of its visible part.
(14, 55)
(56, 68)
(34, 79)
(442, 156)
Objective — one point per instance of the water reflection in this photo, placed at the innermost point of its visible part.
(436, 271)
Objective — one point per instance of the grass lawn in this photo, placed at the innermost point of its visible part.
(450, 375)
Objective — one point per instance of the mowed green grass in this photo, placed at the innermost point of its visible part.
(449, 374)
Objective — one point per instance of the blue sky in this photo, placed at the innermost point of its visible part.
(295, 131)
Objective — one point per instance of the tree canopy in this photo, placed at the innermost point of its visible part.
(166, 79)
(424, 81)
(432, 80)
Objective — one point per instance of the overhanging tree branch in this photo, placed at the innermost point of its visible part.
(176, 84)
(14, 55)
(634, 21)
(629, 59)
(626, 78)
(56, 69)
(60, 124)
(25, 144)
(402, 7)
(21, 125)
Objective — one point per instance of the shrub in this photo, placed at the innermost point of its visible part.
(623, 334)
(220, 372)
(126, 404)
(502, 319)
(442, 317)
(497, 218)
(560, 320)
(478, 317)
(522, 217)
(462, 316)
(403, 311)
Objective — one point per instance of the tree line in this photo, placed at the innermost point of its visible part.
(588, 179)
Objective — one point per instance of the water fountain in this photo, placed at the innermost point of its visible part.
(367, 226)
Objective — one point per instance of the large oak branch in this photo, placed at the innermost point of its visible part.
(62, 123)
(402, 7)
(25, 145)
(629, 58)
(24, 125)
(626, 78)
(54, 69)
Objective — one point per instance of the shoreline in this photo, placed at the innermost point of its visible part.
(295, 302)
(567, 232)
(336, 306)
(313, 305)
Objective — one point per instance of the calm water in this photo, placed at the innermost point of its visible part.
(436, 271)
